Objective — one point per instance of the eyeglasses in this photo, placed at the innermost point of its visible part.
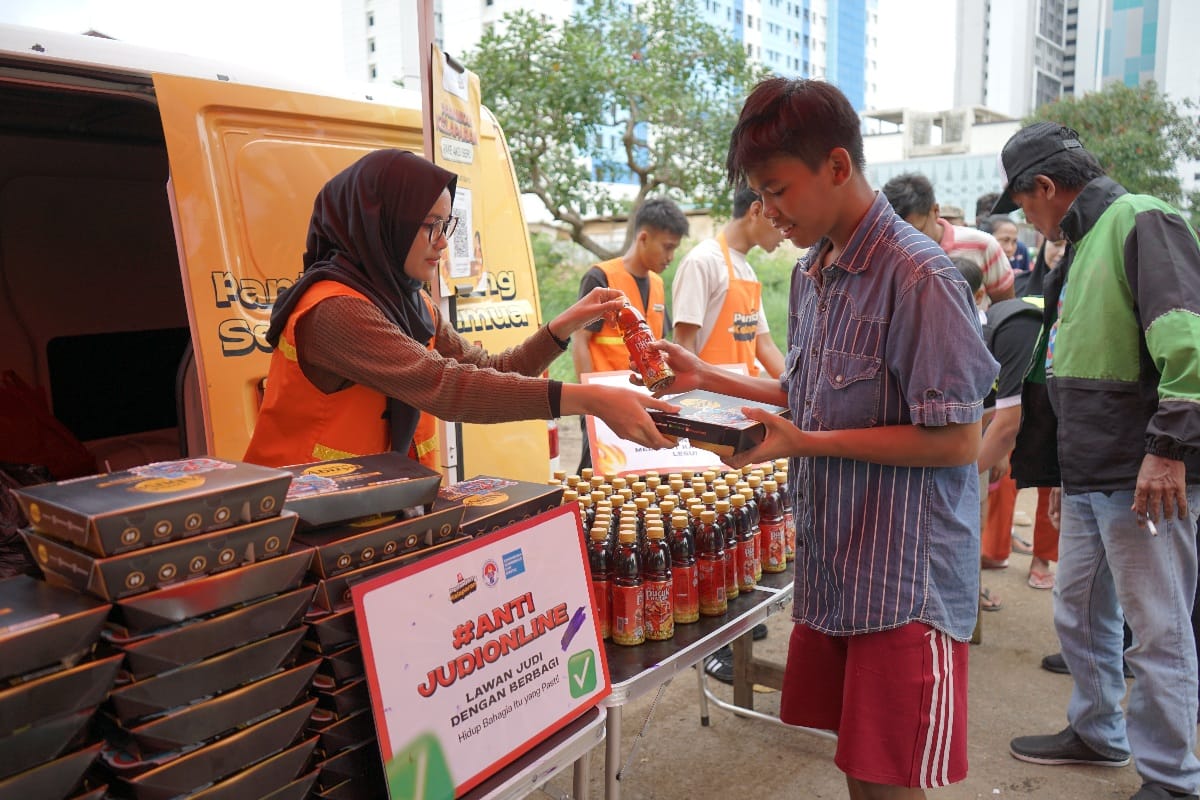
(440, 227)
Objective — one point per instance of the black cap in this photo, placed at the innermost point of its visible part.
(1028, 148)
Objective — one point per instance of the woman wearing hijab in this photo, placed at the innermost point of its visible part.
(364, 361)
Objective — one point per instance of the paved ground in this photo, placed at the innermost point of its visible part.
(743, 758)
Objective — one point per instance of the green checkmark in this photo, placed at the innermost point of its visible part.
(420, 771)
(581, 672)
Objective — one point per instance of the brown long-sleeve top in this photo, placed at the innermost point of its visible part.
(344, 341)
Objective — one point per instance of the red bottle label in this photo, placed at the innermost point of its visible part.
(731, 574)
(758, 555)
(775, 540)
(660, 618)
(789, 526)
(745, 560)
(711, 577)
(628, 615)
(603, 608)
(685, 588)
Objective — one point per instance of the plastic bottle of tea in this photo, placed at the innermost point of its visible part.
(657, 585)
(684, 581)
(628, 600)
(649, 363)
(774, 531)
(600, 566)
(747, 546)
(710, 566)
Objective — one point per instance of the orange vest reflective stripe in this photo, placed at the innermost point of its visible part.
(298, 423)
(607, 347)
(734, 337)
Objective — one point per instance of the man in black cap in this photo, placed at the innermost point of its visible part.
(1122, 363)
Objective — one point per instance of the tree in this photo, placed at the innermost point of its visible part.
(665, 83)
(1138, 135)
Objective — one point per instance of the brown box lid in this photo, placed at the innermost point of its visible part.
(329, 631)
(41, 742)
(265, 778)
(61, 692)
(196, 639)
(341, 666)
(111, 513)
(42, 625)
(357, 726)
(370, 540)
(296, 790)
(147, 568)
(220, 759)
(333, 492)
(345, 700)
(490, 503)
(359, 761)
(333, 594)
(53, 780)
(714, 422)
(210, 676)
(203, 721)
(200, 596)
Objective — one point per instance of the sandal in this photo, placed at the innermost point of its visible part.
(1021, 546)
(988, 601)
(1041, 580)
(991, 563)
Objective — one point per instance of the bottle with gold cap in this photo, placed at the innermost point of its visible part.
(628, 599)
(657, 585)
(684, 581)
(773, 531)
(745, 553)
(710, 566)
(723, 521)
(600, 567)
(789, 519)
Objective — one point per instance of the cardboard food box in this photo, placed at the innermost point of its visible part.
(356, 727)
(298, 789)
(265, 778)
(206, 720)
(141, 570)
(333, 594)
(491, 503)
(193, 640)
(42, 625)
(333, 492)
(358, 762)
(341, 666)
(44, 741)
(213, 762)
(714, 422)
(370, 540)
(198, 597)
(111, 513)
(345, 700)
(98, 793)
(330, 631)
(208, 677)
(63, 692)
(53, 780)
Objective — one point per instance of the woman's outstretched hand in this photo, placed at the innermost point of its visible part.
(592, 306)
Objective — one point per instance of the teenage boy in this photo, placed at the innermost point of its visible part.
(885, 376)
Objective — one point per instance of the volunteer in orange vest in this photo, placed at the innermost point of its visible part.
(658, 228)
(717, 299)
(363, 359)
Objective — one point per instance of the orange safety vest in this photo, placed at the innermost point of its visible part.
(299, 424)
(734, 336)
(607, 346)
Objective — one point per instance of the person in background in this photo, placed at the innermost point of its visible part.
(1128, 439)
(658, 228)
(1017, 252)
(885, 377)
(716, 297)
(911, 195)
(953, 215)
(364, 361)
(983, 211)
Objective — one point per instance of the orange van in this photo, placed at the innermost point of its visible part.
(152, 206)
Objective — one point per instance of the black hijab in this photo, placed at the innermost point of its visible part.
(364, 222)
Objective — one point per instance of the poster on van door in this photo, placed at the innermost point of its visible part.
(456, 99)
(476, 655)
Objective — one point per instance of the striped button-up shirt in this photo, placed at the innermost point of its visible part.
(888, 336)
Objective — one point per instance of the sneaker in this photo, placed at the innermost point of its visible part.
(1064, 747)
(720, 664)
(1055, 663)
(1154, 791)
(759, 632)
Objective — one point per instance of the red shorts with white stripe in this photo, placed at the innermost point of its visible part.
(897, 700)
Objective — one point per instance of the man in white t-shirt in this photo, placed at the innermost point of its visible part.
(911, 196)
(716, 299)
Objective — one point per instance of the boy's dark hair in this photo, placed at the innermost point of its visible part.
(970, 272)
(743, 198)
(1069, 169)
(983, 209)
(909, 193)
(795, 117)
(662, 214)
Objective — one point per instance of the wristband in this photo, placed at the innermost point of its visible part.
(562, 344)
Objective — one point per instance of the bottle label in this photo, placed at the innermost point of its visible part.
(628, 615)
(603, 608)
(745, 559)
(686, 592)
(731, 574)
(711, 577)
(789, 526)
(660, 617)
(774, 539)
(758, 554)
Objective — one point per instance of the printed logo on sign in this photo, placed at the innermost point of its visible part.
(462, 588)
(420, 771)
(491, 573)
(581, 670)
(514, 564)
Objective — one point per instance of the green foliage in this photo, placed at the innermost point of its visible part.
(659, 77)
(1137, 133)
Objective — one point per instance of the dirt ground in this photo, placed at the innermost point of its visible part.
(734, 757)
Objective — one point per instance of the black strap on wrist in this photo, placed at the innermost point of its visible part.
(562, 344)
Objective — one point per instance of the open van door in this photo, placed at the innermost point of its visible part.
(246, 163)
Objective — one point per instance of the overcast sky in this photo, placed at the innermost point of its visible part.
(304, 37)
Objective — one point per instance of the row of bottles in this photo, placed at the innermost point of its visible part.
(667, 553)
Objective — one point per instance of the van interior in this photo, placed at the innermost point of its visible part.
(92, 311)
